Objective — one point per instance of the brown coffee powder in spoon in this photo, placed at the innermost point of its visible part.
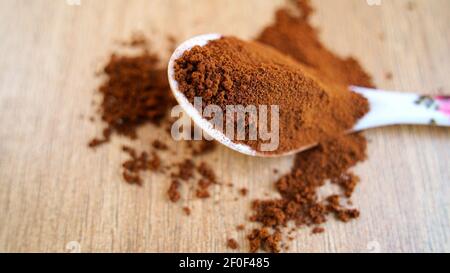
(229, 71)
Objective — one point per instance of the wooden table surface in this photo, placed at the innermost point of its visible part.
(58, 195)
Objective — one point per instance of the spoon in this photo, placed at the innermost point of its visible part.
(386, 107)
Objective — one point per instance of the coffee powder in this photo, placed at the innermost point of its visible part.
(136, 92)
(232, 244)
(229, 71)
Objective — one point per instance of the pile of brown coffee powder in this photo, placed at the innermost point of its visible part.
(136, 92)
(299, 201)
(230, 71)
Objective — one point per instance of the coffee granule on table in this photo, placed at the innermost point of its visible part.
(347, 181)
(173, 193)
(187, 211)
(137, 164)
(137, 40)
(232, 244)
(388, 76)
(229, 71)
(265, 240)
(202, 189)
(159, 145)
(185, 170)
(411, 5)
(318, 230)
(208, 178)
(207, 173)
(243, 191)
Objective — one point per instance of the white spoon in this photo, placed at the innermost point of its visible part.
(386, 108)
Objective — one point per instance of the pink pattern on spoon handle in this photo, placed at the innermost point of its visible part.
(443, 104)
(439, 103)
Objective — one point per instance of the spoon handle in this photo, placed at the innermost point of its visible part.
(390, 108)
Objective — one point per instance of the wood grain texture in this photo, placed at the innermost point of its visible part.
(54, 190)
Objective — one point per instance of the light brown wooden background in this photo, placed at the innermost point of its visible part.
(54, 190)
